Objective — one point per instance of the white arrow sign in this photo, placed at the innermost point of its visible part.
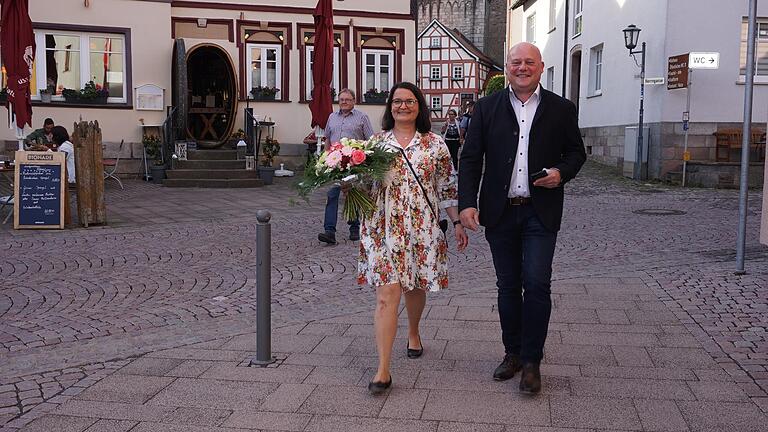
(704, 60)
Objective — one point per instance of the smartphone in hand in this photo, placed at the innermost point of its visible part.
(538, 174)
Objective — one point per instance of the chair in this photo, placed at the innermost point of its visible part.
(110, 166)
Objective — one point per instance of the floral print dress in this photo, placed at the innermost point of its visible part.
(402, 241)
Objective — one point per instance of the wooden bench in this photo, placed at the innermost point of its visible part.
(730, 139)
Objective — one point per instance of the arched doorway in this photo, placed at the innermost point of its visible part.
(575, 84)
(211, 97)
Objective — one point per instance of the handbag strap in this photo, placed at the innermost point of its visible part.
(416, 176)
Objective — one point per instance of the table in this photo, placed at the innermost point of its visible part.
(208, 117)
(6, 178)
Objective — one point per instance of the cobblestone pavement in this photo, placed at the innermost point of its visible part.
(175, 268)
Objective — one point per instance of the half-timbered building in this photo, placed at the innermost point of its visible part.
(451, 70)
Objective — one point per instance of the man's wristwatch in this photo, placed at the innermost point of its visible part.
(457, 222)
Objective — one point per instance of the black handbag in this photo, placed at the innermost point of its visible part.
(443, 224)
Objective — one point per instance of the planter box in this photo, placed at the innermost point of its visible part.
(259, 96)
(376, 99)
(78, 100)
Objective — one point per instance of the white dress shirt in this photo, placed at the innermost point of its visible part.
(524, 111)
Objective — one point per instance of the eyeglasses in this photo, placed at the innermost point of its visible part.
(410, 103)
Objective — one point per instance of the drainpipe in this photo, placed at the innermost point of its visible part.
(565, 48)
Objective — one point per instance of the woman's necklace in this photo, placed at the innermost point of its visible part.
(404, 138)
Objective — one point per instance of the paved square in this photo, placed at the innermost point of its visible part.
(147, 324)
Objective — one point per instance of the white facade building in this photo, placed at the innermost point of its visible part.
(586, 61)
(451, 70)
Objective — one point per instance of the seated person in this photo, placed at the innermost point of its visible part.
(42, 136)
(61, 139)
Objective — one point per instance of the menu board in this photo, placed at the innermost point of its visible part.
(39, 190)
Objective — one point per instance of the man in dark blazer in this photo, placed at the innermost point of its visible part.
(529, 140)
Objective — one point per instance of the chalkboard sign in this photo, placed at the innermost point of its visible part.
(38, 196)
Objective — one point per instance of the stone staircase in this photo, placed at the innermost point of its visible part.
(212, 169)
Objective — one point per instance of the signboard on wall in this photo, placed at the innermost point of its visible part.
(677, 72)
(38, 195)
(150, 97)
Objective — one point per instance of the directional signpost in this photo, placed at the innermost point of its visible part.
(704, 60)
(680, 75)
(677, 72)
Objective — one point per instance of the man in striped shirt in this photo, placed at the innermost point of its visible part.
(347, 122)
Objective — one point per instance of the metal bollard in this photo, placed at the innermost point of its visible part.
(263, 290)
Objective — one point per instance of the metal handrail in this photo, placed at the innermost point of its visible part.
(251, 132)
(169, 138)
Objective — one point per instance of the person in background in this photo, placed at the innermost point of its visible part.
(466, 118)
(42, 136)
(350, 123)
(61, 139)
(452, 137)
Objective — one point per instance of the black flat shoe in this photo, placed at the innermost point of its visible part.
(377, 387)
(415, 353)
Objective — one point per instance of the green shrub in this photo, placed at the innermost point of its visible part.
(494, 84)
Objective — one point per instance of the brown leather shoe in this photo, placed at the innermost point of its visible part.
(508, 368)
(530, 380)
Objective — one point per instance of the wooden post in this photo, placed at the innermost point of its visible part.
(89, 170)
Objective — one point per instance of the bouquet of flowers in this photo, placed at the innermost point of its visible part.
(349, 161)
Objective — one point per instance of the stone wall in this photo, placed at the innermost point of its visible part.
(665, 158)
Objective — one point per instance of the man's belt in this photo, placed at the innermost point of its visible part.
(517, 201)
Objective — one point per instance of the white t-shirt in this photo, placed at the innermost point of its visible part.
(69, 150)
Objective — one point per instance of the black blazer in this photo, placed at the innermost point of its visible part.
(554, 142)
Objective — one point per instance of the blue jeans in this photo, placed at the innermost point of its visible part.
(332, 212)
(522, 250)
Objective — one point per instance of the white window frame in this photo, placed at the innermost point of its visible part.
(578, 19)
(551, 78)
(435, 74)
(761, 44)
(552, 14)
(435, 42)
(278, 67)
(309, 82)
(596, 70)
(377, 69)
(436, 106)
(85, 61)
(460, 75)
(530, 28)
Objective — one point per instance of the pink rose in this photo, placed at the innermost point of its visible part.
(358, 157)
(336, 146)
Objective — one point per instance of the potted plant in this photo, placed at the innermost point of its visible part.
(93, 93)
(264, 93)
(154, 150)
(70, 95)
(46, 93)
(235, 137)
(269, 150)
(375, 96)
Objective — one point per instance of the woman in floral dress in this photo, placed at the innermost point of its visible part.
(402, 248)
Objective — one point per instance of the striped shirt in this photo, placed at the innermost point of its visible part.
(354, 124)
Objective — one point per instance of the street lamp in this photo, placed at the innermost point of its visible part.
(631, 35)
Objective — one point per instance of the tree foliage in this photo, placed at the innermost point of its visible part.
(494, 84)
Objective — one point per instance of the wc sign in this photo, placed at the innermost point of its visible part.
(704, 60)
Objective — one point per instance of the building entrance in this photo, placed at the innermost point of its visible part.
(211, 96)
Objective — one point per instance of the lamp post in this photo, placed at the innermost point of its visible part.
(631, 35)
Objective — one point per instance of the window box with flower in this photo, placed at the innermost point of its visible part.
(92, 93)
(264, 93)
(375, 96)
